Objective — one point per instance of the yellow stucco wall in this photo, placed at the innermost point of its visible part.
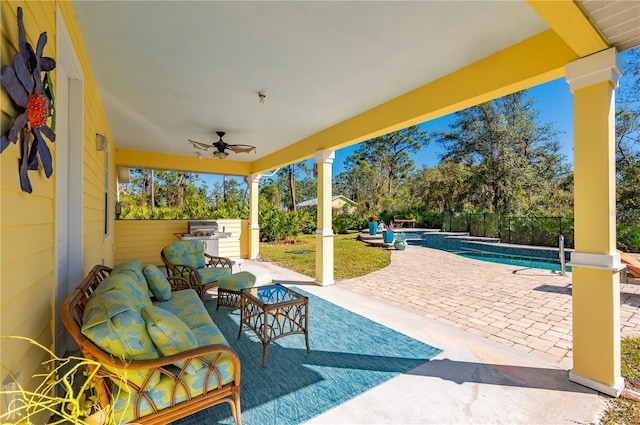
(143, 239)
(27, 221)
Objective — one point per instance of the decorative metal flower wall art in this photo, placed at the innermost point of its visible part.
(29, 90)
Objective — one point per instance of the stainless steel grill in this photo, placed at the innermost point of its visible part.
(202, 230)
(206, 231)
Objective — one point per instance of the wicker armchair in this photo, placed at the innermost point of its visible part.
(202, 271)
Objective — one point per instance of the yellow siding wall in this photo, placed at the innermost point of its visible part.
(144, 239)
(96, 248)
(230, 247)
(27, 221)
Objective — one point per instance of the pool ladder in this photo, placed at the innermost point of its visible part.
(561, 253)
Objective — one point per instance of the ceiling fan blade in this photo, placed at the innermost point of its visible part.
(199, 145)
(241, 148)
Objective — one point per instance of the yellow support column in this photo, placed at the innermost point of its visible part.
(595, 262)
(324, 233)
(254, 228)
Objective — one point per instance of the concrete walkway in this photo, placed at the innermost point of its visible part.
(505, 335)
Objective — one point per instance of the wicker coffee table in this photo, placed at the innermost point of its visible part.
(273, 312)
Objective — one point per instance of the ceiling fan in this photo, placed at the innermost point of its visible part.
(221, 147)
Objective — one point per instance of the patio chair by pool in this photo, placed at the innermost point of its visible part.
(202, 271)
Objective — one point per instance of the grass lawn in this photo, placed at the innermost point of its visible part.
(352, 258)
(623, 411)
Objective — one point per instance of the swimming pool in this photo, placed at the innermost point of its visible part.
(488, 249)
(516, 261)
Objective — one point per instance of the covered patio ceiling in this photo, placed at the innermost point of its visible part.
(332, 72)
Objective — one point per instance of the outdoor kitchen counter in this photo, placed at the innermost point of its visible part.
(190, 236)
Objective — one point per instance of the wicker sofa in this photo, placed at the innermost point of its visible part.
(156, 352)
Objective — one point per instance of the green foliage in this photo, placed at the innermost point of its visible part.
(277, 225)
(512, 162)
(628, 238)
(628, 193)
(430, 220)
(172, 195)
(131, 212)
(378, 170)
(343, 223)
(290, 185)
(628, 142)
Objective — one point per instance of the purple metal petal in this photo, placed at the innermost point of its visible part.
(29, 57)
(45, 154)
(25, 184)
(4, 142)
(42, 40)
(33, 155)
(13, 86)
(48, 132)
(22, 73)
(16, 128)
(47, 64)
(22, 39)
(23, 46)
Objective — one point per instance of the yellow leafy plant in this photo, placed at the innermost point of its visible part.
(76, 406)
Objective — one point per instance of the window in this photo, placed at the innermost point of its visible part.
(107, 183)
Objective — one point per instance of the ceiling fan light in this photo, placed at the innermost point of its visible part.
(221, 155)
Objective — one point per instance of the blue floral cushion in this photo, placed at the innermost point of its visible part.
(209, 335)
(187, 305)
(129, 265)
(242, 280)
(134, 266)
(185, 252)
(212, 274)
(158, 283)
(128, 282)
(171, 335)
(124, 402)
(114, 324)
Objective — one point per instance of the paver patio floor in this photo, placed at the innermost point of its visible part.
(529, 309)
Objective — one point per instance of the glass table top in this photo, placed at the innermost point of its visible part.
(272, 294)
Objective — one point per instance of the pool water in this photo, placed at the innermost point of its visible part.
(494, 253)
(515, 261)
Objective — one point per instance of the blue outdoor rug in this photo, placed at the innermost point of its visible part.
(350, 354)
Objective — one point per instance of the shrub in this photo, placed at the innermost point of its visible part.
(430, 219)
(277, 225)
(628, 238)
(342, 223)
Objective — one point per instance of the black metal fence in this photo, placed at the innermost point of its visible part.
(540, 231)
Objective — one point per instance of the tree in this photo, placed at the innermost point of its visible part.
(362, 184)
(159, 194)
(628, 141)
(513, 161)
(378, 169)
(442, 188)
(288, 181)
(390, 154)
